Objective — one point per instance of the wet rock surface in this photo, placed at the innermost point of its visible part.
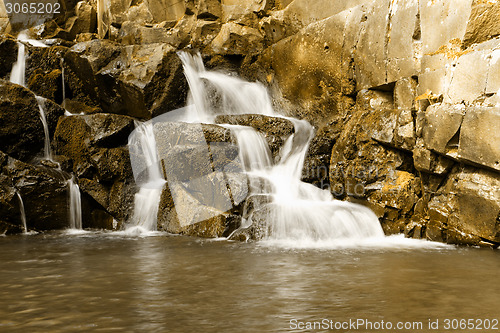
(96, 147)
(403, 96)
(21, 131)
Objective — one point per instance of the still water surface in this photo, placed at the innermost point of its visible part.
(111, 282)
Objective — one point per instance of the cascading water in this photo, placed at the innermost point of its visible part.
(19, 68)
(151, 180)
(297, 211)
(47, 152)
(18, 72)
(22, 211)
(18, 76)
(63, 103)
(75, 205)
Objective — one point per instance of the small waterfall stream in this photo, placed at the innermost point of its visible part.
(17, 76)
(47, 152)
(22, 211)
(75, 205)
(18, 73)
(297, 212)
(146, 201)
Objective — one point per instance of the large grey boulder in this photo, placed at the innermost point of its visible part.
(237, 39)
(44, 193)
(96, 146)
(8, 55)
(21, 130)
(482, 24)
(442, 124)
(275, 129)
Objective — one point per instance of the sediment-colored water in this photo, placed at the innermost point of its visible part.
(109, 281)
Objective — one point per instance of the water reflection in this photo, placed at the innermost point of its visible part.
(62, 283)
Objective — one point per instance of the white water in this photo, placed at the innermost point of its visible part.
(19, 69)
(75, 205)
(146, 201)
(47, 152)
(23, 212)
(63, 104)
(298, 211)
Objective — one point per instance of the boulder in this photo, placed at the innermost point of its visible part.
(21, 130)
(308, 67)
(8, 55)
(10, 208)
(208, 9)
(370, 55)
(441, 22)
(137, 80)
(85, 21)
(44, 192)
(480, 136)
(467, 207)
(96, 146)
(44, 71)
(403, 35)
(276, 130)
(134, 33)
(237, 39)
(482, 24)
(191, 150)
(204, 33)
(425, 160)
(82, 63)
(467, 85)
(205, 183)
(169, 10)
(401, 192)
(243, 12)
(358, 165)
(180, 212)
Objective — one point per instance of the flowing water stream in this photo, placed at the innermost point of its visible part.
(47, 151)
(321, 260)
(22, 212)
(298, 211)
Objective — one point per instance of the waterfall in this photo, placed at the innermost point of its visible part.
(75, 205)
(103, 17)
(298, 211)
(47, 152)
(150, 179)
(236, 96)
(18, 72)
(23, 212)
(63, 103)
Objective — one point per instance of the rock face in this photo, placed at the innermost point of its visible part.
(96, 148)
(275, 130)
(43, 191)
(140, 81)
(404, 96)
(8, 56)
(21, 133)
(205, 183)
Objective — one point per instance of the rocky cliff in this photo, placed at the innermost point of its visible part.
(403, 94)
